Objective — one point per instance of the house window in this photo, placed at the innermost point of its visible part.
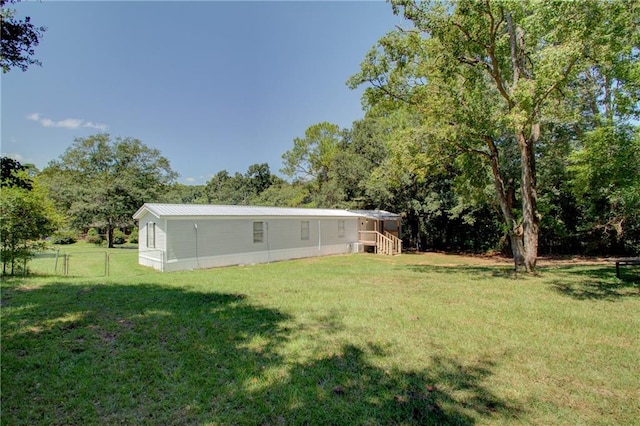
(304, 230)
(151, 235)
(258, 232)
(341, 228)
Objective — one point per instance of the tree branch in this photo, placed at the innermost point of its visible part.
(389, 93)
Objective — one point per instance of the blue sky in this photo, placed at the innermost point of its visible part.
(212, 85)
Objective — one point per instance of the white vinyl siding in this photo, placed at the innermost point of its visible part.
(203, 242)
(224, 236)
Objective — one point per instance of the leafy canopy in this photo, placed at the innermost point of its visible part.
(102, 182)
(18, 39)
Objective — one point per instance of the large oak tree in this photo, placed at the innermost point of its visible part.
(488, 75)
(102, 182)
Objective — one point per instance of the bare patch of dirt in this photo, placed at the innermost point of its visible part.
(28, 288)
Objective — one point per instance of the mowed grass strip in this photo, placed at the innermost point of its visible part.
(355, 339)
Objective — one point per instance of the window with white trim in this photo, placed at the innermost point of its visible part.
(341, 228)
(151, 235)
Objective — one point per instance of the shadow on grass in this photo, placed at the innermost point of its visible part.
(578, 282)
(596, 283)
(107, 354)
(483, 271)
(346, 388)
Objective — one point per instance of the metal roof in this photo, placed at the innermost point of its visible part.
(178, 210)
(377, 214)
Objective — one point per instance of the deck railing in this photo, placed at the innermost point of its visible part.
(384, 244)
(397, 242)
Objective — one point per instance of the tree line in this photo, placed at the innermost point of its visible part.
(505, 126)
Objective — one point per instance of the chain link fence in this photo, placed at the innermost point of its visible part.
(89, 263)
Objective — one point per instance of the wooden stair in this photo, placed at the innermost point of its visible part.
(387, 244)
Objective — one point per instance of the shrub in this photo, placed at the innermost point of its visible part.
(133, 238)
(118, 237)
(93, 237)
(64, 237)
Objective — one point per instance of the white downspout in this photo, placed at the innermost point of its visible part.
(165, 246)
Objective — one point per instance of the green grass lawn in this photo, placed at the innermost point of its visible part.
(354, 339)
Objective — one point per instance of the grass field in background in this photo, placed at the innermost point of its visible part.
(353, 339)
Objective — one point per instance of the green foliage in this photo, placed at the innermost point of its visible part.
(102, 182)
(64, 237)
(240, 189)
(93, 237)
(259, 178)
(26, 216)
(119, 237)
(133, 237)
(15, 174)
(178, 193)
(312, 156)
(18, 40)
(490, 80)
(606, 180)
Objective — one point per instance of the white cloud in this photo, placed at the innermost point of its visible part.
(20, 158)
(189, 180)
(67, 123)
(93, 125)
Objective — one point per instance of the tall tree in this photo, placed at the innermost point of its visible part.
(259, 178)
(312, 161)
(361, 151)
(239, 189)
(311, 157)
(18, 39)
(102, 182)
(487, 75)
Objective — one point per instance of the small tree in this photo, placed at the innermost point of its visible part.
(94, 237)
(26, 216)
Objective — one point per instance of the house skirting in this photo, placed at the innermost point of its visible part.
(205, 262)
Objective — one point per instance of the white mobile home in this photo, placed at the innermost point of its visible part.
(175, 237)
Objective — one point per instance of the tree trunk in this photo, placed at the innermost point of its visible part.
(530, 221)
(514, 230)
(109, 236)
(517, 247)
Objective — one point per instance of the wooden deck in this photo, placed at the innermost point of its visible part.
(386, 243)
